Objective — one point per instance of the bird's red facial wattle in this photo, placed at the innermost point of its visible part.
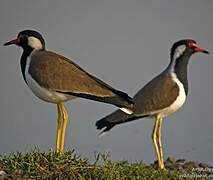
(196, 48)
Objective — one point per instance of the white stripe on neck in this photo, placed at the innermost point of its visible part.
(179, 51)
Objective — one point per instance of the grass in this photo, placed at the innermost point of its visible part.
(49, 165)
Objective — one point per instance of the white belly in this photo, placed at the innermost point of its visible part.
(181, 98)
(41, 92)
(44, 94)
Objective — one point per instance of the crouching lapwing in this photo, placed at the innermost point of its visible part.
(161, 97)
(56, 79)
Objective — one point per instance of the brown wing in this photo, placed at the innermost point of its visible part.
(57, 73)
(159, 93)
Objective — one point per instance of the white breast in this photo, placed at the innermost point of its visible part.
(41, 92)
(181, 98)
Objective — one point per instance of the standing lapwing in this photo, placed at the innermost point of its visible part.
(161, 97)
(56, 79)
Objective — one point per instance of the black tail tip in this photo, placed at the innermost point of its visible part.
(103, 123)
(127, 98)
(131, 101)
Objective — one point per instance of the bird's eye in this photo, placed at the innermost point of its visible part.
(22, 37)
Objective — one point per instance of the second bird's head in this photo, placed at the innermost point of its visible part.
(28, 39)
(185, 47)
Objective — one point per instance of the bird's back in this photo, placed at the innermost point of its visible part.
(57, 73)
(155, 97)
(158, 94)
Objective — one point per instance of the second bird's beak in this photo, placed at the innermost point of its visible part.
(198, 49)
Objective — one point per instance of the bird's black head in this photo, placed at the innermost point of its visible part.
(28, 39)
(185, 46)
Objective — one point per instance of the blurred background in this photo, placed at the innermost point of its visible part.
(124, 43)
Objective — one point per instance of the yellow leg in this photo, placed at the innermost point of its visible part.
(160, 144)
(59, 128)
(156, 137)
(64, 126)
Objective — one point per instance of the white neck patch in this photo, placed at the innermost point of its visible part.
(35, 43)
(179, 51)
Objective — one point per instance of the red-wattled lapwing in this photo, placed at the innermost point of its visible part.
(56, 79)
(161, 97)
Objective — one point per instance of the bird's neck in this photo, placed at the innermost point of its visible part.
(26, 53)
(179, 67)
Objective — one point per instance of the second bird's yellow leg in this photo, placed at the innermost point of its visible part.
(155, 140)
(59, 129)
(64, 126)
(161, 165)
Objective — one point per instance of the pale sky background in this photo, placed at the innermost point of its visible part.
(124, 43)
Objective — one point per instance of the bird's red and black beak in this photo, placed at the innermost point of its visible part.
(196, 48)
(14, 41)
